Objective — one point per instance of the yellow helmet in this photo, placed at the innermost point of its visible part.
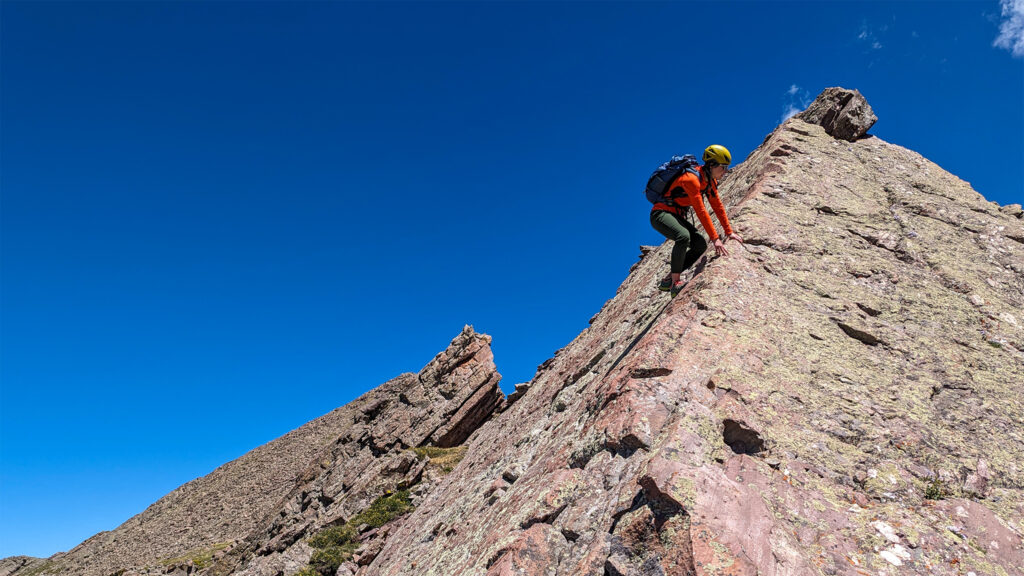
(717, 154)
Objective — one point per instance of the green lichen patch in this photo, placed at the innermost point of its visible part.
(585, 450)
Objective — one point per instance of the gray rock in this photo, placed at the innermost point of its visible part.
(1014, 210)
(843, 113)
(977, 482)
(13, 564)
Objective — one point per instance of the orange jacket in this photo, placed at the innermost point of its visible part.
(685, 191)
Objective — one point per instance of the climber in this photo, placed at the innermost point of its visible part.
(687, 191)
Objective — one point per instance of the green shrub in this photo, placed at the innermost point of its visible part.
(333, 536)
(936, 490)
(327, 560)
(385, 509)
(336, 544)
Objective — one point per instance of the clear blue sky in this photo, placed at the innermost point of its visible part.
(222, 220)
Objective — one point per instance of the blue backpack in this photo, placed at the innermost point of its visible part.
(659, 182)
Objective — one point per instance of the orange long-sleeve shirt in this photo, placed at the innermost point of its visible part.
(685, 191)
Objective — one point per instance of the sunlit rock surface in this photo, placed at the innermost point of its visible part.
(841, 395)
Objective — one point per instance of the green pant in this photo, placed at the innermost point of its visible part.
(690, 245)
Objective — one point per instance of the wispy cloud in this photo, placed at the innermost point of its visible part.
(1011, 30)
(795, 101)
(868, 36)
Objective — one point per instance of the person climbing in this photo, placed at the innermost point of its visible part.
(668, 216)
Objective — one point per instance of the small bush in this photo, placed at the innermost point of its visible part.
(385, 509)
(332, 557)
(333, 536)
(936, 490)
(336, 544)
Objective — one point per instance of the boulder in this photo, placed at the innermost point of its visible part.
(845, 114)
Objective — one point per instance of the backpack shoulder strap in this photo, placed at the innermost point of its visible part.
(707, 190)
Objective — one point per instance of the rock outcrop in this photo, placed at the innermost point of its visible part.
(842, 113)
(841, 395)
(14, 564)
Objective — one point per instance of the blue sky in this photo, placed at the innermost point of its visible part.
(222, 220)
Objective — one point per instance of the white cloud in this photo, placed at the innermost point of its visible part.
(797, 99)
(790, 111)
(1011, 31)
(869, 37)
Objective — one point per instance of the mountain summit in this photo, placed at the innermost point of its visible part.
(841, 395)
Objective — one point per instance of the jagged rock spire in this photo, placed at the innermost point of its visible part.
(843, 113)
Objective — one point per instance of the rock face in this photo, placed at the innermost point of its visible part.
(841, 395)
(842, 113)
(812, 404)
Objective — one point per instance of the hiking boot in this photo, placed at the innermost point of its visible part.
(666, 284)
(677, 288)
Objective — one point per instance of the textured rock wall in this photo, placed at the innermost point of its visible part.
(841, 396)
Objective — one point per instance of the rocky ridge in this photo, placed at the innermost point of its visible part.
(834, 398)
(841, 395)
(317, 474)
